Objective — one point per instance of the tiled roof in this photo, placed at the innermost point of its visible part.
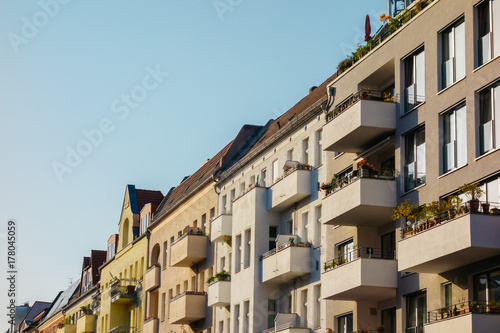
(35, 310)
(97, 258)
(286, 121)
(146, 196)
(62, 299)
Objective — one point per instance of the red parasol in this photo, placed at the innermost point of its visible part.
(368, 28)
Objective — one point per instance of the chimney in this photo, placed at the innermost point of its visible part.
(312, 89)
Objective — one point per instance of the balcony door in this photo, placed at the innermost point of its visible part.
(344, 323)
(416, 312)
(389, 245)
(487, 286)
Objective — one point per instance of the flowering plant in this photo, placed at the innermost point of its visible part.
(363, 164)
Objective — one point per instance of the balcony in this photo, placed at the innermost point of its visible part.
(219, 292)
(294, 186)
(96, 304)
(363, 274)
(221, 226)
(359, 122)
(85, 324)
(188, 307)
(152, 278)
(361, 200)
(287, 323)
(66, 328)
(123, 291)
(189, 249)
(150, 325)
(448, 242)
(121, 329)
(290, 259)
(470, 316)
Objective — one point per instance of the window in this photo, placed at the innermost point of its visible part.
(222, 263)
(221, 326)
(489, 119)
(305, 151)
(345, 251)
(276, 171)
(414, 80)
(263, 176)
(304, 318)
(487, 286)
(272, 310)
(224, 204)
(212, 213)
(389, 245)
(288, 304)
(143, 224)
(488, 43)
(389, 319)
(163, 306)
(111, 250)
(446, 295)
(248, 247)
(318, 225)
(236, 318)
(305, 226)
(289, 154)
(414, 168)
(273, 233)
(246, 317)
(238, 254)
(204, 222)
(165, 254)
(344, 323)
(454, 139)
(416, 311)
(317, 310)
(453, 54)
(319, 147)
(242, 187)
(289, 227)
(233, 196)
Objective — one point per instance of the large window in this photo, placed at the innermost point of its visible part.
(453, 53)
(272, 310)
(344, 323)
(489, 119)
(487, 286)
(414, 168)
(488, 44)
(454, 139)
(389, 319)
(319, 147)
(345, 251)
(305, 226)
(237, 267)
(248, 247)
(416, 312)
(305, 151)
(414, 80)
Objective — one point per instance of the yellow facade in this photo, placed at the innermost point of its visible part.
(78, 321)
(121, 291)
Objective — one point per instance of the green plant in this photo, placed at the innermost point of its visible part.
(472, 191)
(406, 211)
(291, 240)
(221, 276)
(86, 309)
(228, 239)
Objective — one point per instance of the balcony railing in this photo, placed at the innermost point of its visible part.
(445, 216)
(356, 97)
(121, 329)
(220, 278)
(362, 252)
(283, 247)
(353, 176)
(491, 307)
(191, 231)
(122, 289)
(292, 169)
(224, 212)
(248, 189)
(286, 326)
(199, 293)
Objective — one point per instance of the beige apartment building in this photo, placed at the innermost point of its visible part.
(291, 228)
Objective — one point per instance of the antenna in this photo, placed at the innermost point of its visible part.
(70, 281)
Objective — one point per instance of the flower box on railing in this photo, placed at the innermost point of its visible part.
(362, 252)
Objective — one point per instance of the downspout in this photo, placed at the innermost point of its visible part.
(148, 236)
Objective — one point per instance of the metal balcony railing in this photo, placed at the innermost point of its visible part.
(491, 307)
(362, 252)
(283, 247)
(434, 220)
(355, 175)
(200, 293)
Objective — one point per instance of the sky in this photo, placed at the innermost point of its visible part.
(95, 95)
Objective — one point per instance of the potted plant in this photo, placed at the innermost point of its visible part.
(405, 211)
(473, 192)
(228, 239)
(291, 241)
(493, 306)
(485, 206)
(380, 329)
(453, 205)
(86, 310)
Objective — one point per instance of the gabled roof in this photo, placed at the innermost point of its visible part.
(61, 300)
(287, 121)
(35, 310)
(138, 198)
(230, 154)
(97, 258)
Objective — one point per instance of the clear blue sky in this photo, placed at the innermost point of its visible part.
(70, 71)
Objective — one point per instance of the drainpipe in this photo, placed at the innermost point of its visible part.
(146, 308)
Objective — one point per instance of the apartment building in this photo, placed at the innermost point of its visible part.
(119, 306)
(415, 119)
(181, 256)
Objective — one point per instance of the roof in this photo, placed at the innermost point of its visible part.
(284, 123)
(63, 298)
(97, 258)
(227, 156)
(138, 198)
(35, 310)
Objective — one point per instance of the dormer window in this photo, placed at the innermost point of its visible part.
(111, 251)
